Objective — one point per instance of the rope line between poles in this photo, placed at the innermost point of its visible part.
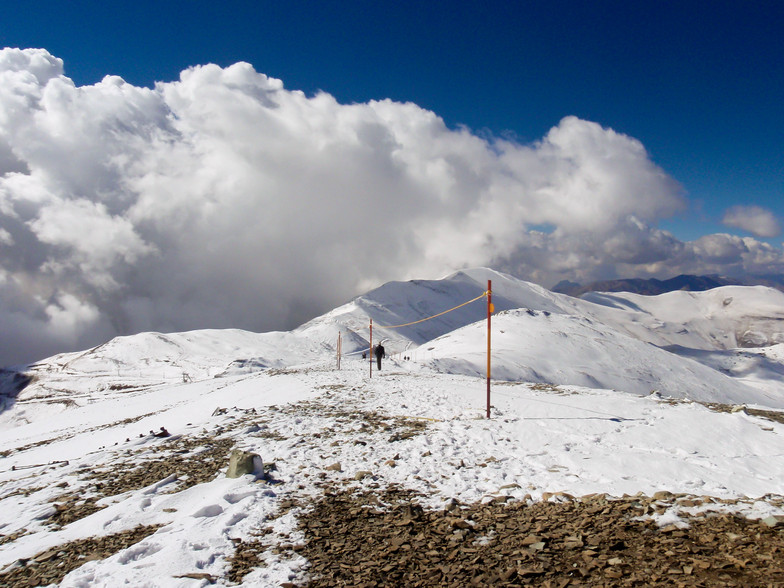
(482, 295)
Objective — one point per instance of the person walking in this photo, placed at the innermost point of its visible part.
(379, 354)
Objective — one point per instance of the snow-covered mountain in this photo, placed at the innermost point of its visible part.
(543, 347)
(722, 318)
(680, 344)
(398, 303)
(113, 461)
(628, 342)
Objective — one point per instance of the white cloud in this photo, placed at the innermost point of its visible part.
(756, 220)
(225, 200)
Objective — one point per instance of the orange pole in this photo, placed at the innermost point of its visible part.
(371, 348)
(489, 314)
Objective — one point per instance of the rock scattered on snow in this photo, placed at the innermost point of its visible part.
(244, 462)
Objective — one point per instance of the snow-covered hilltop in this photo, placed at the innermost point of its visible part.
(721, 345)
(113, 461)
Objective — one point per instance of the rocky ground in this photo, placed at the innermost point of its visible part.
(51, 566)
(387, 540)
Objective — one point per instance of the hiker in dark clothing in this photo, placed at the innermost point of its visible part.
(379, 354)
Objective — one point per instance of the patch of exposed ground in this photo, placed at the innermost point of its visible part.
(71, 507)
(23, 492)
(12, 536)
(125, 475)
(180, 460)
(52, 565)
(771, 415)
(347, 419)
(8, 452)
(389, 540)
(339, 420)
(246, 556)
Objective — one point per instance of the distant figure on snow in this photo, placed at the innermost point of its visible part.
(379, 354)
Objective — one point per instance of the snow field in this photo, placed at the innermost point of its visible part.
(572, 412)
(422, 430)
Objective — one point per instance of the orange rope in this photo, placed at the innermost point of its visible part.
(482, 295)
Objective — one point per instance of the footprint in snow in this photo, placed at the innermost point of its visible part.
(213, 510)
(236, 518)
(235, 498)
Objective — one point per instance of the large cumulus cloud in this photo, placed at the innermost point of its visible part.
(225, 200)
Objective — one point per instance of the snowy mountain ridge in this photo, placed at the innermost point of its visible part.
(114, 462)
(603, 344)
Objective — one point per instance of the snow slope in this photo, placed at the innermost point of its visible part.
(397, 303)
(602, 340)
(572, 412)
(533, 346)
(127, 365)
(722, 318)
(419, 429)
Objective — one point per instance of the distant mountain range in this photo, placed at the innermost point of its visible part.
(654, 287)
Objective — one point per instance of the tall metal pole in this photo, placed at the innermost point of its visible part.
(489, 314)
(371, 348)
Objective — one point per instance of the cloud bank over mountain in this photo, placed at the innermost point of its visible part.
(224, 199)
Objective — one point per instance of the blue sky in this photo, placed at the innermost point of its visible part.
(700, 84)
